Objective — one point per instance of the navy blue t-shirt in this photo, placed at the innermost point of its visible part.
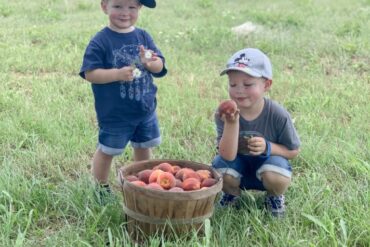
(120, 102)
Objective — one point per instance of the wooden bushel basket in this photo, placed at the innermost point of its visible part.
(149, 212)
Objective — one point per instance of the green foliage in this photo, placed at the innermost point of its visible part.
(48, 132)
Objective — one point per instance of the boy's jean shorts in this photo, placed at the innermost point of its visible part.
(249, 168)
(144, 134)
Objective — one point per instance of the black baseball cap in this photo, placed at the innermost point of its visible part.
(148, 3)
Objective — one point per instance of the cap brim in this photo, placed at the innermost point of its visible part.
(148, 3)
(245, 70)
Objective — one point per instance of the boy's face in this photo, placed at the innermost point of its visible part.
(122, 14)
(245, 90)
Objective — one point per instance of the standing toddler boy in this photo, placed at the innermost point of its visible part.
(120, 62)
(256, 142)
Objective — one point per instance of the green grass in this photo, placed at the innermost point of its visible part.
(320, 55)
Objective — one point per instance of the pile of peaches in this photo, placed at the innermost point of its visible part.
(169, 177)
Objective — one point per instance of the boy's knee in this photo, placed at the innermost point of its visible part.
(231, 181)
(275, 182)
(231, 185)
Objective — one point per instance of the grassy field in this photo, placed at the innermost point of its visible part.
(320, 53)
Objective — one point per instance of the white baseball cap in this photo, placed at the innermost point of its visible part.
(250, 61)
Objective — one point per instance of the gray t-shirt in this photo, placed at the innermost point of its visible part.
(274, 124)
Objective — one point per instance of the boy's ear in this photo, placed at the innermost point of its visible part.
(103, 5)
(268, 84)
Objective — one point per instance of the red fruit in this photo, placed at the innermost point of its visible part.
(166, 180)
(191, 174)
(144, 175)
(208, 182)
(175, 169)
(166, 167)
(131, 178)
(176, 189)
(178, 183)
(204, 174)
(139, 183)
(154, 186)
(181, 172)
(153, 177)
(227, 107)
(191, 184)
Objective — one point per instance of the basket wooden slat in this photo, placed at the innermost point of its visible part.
(153, 211)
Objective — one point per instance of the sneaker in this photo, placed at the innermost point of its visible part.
(275, 205)
(103, 194)
(229, 200)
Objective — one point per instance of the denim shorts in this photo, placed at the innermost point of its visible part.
(249, 168)
(143, 134)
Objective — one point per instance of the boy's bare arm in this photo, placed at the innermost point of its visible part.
(228, 145)
(102, 76)
(281, 150)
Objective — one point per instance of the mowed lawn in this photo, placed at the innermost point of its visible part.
(320, 52)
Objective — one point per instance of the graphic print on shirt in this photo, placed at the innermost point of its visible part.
(129, 55)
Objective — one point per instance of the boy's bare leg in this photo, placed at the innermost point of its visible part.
(231, 185)
(101, 166)
(275, 183)
(142, 154)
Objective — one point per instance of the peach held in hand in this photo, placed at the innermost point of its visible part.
(227, 107)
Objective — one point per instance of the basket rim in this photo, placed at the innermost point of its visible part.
(183, 195)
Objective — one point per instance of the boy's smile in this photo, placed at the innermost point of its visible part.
(122, 14)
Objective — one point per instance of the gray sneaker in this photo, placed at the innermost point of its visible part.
(275, 205)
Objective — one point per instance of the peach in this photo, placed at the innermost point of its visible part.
(175, 169)
(181, 172)
(144, 175)
(154, 175)
(131, 178)
(204, 174)
(191, 184)
(191, 174)
(166, 167)
(227, 107)
(178, 183)
(166, 180)
(176, 189)
(154, 186)
(139, 183)
(155, 167)
(208, 182)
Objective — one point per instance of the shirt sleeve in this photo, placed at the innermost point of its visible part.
(288, 135)
(93, 58)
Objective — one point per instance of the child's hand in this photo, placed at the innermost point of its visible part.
(256, 145)
(229, 117)
(147, 56)
(126, 73)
